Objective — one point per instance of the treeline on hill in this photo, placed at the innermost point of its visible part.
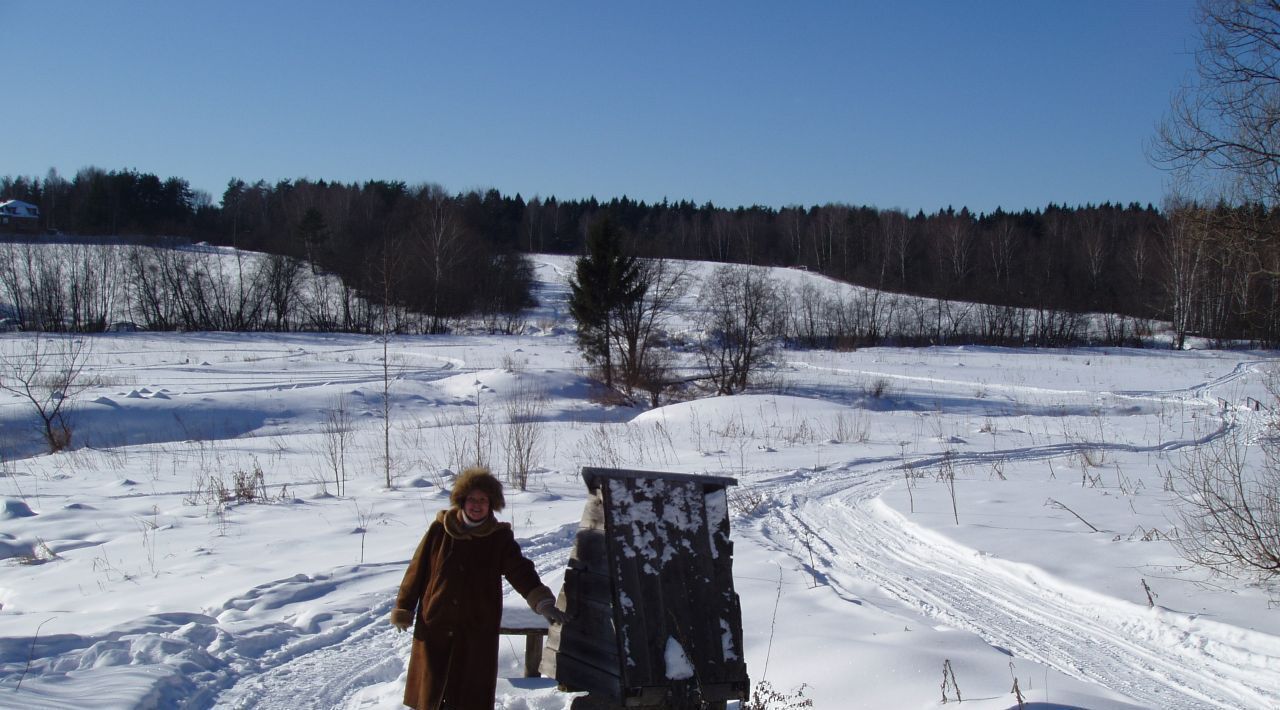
(446, 255)
(405, 250)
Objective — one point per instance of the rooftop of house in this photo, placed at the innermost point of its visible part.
(18, 208)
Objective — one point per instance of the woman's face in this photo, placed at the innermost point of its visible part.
(476, 506)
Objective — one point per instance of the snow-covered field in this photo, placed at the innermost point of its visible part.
(123, 585)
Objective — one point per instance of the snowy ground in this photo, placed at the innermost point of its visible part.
(122, 585)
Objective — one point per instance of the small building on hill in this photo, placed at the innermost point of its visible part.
(19, 216)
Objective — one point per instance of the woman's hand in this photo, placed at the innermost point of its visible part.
(402, 619)
(547, 608)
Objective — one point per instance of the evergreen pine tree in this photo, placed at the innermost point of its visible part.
(606, 279)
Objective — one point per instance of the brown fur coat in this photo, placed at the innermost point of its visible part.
(454, 583)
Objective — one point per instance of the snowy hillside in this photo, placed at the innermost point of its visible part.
(124, 583)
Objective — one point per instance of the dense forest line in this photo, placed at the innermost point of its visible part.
(449, 254)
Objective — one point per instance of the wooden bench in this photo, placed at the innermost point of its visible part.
(523, 621)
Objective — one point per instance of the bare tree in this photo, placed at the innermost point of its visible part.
(523, 443)
(638, 324)
(740, 306)
(1096, 239)
(531, 225)
(806, 308)
(1230, 512)
(1221, 139)
(1184, 253)
(336, 429)
(955, 239)
(47, 373)
(388, 276)
(442, 244)
(1001, 248)
(282, 276)
(1223, 130)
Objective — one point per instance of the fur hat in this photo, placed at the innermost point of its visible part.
(478, 478)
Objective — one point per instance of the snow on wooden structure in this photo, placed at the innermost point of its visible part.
(654, 619)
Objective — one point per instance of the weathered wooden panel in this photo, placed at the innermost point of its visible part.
(578, 675)
(593, 619)
(659, 527)
(591, 584)
(590, 649)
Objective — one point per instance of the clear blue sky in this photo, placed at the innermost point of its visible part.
(889, 104)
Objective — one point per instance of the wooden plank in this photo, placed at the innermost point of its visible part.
(590, 584)
(720, 692)
(591, 702)
(614, 553)
(583, 653)
(590, 609)
(720, 599)
(532, 655)
(632, 621)
(586, 638)
(588, 649)
(638, 605)
(578, 675)
(591, 630)
(580, 649)
(683, 579)
(593, 476)
(705, 600)
(594, 615)
(533, 640)
(719, 552)
(679, 590)
(538, 631)
(707, 593)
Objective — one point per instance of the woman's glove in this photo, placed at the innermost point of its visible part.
(402, 619)
(547, 608)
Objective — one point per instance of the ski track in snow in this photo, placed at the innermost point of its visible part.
(324, 670)
(327, 671)
(1158, 658)
(1155, 659)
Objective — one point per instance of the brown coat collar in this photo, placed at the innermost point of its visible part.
(456, 530)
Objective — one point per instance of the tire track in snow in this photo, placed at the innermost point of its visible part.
(1161, 659)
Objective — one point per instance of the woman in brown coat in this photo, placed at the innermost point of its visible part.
(455, 584)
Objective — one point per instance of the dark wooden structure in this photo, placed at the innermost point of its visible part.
(654, 619)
